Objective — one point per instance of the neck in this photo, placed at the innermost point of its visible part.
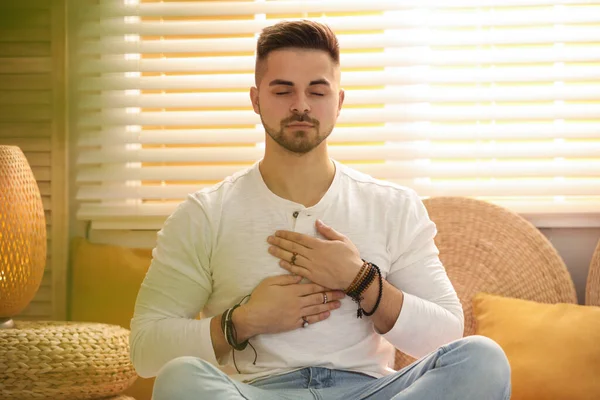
(301, 178)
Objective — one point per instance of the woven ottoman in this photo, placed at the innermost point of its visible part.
(64, 360)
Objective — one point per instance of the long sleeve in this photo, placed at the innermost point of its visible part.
(431, 314)
(174, 291)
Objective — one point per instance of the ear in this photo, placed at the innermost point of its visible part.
(254, 99)
(341, 101)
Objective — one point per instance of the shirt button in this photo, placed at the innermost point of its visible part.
(296, 214)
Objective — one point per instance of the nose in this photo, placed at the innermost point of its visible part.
(300, 105)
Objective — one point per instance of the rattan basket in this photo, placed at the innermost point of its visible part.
(64, 360)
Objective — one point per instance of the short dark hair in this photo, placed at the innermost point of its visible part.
(303, 34)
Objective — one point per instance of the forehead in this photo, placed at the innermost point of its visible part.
(299, 66)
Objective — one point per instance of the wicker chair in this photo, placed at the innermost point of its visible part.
(120, 397)
(487, 248)
(592, 289)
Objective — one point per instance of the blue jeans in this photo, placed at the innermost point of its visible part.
(474, 367)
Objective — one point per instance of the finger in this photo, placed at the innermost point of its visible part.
(288, 256)
(320, 308)
(295, 269)
(300, 238)
(288, 245)
(283, 280)
(313, 319)
(336, 295)
(307, 289)
(318, 299)
(328, 232)
(326, 297)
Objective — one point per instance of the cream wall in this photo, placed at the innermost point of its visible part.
(575, 246)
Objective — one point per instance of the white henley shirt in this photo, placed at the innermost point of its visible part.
(212, 251)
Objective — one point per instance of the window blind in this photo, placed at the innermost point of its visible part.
(493, 99)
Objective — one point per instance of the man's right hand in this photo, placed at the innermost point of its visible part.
(278, 304)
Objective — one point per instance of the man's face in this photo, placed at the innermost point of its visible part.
(298, 98)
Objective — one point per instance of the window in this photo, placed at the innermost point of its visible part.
(493, 99)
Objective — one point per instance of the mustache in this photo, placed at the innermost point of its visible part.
(300, 118)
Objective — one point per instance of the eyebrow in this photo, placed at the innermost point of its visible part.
(289, 83)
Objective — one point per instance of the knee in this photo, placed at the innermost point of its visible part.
(487, 361)
(176, 375)
(179, 367)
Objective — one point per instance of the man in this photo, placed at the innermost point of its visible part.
(296, 215)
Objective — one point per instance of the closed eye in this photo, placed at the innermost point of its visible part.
(281, 93)
(318, 94)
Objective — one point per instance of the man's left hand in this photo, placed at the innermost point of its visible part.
(333, 263)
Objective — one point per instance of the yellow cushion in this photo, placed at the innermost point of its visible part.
(105, 281)
(553, 349)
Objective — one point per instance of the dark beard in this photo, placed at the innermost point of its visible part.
(300, 143)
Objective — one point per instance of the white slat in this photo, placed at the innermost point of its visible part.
(408, 37)
(391, 173)
(375, 60)
(399, 76)
(391, 151)
(215, 8)
(387, 170)
(144, 238)
(393, 20)
(352, 116)
(407, 131)
(397, 95)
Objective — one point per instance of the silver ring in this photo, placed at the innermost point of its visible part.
(324, 298)
(293, 260)
(305, 324)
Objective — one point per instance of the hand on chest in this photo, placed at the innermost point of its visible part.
(242, 259)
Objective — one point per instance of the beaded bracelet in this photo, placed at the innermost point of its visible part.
(357, 278)
(363, 311)
(364, 283)
(360, 285)
(363, 279)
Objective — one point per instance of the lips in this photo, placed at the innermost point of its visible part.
(301, 125)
